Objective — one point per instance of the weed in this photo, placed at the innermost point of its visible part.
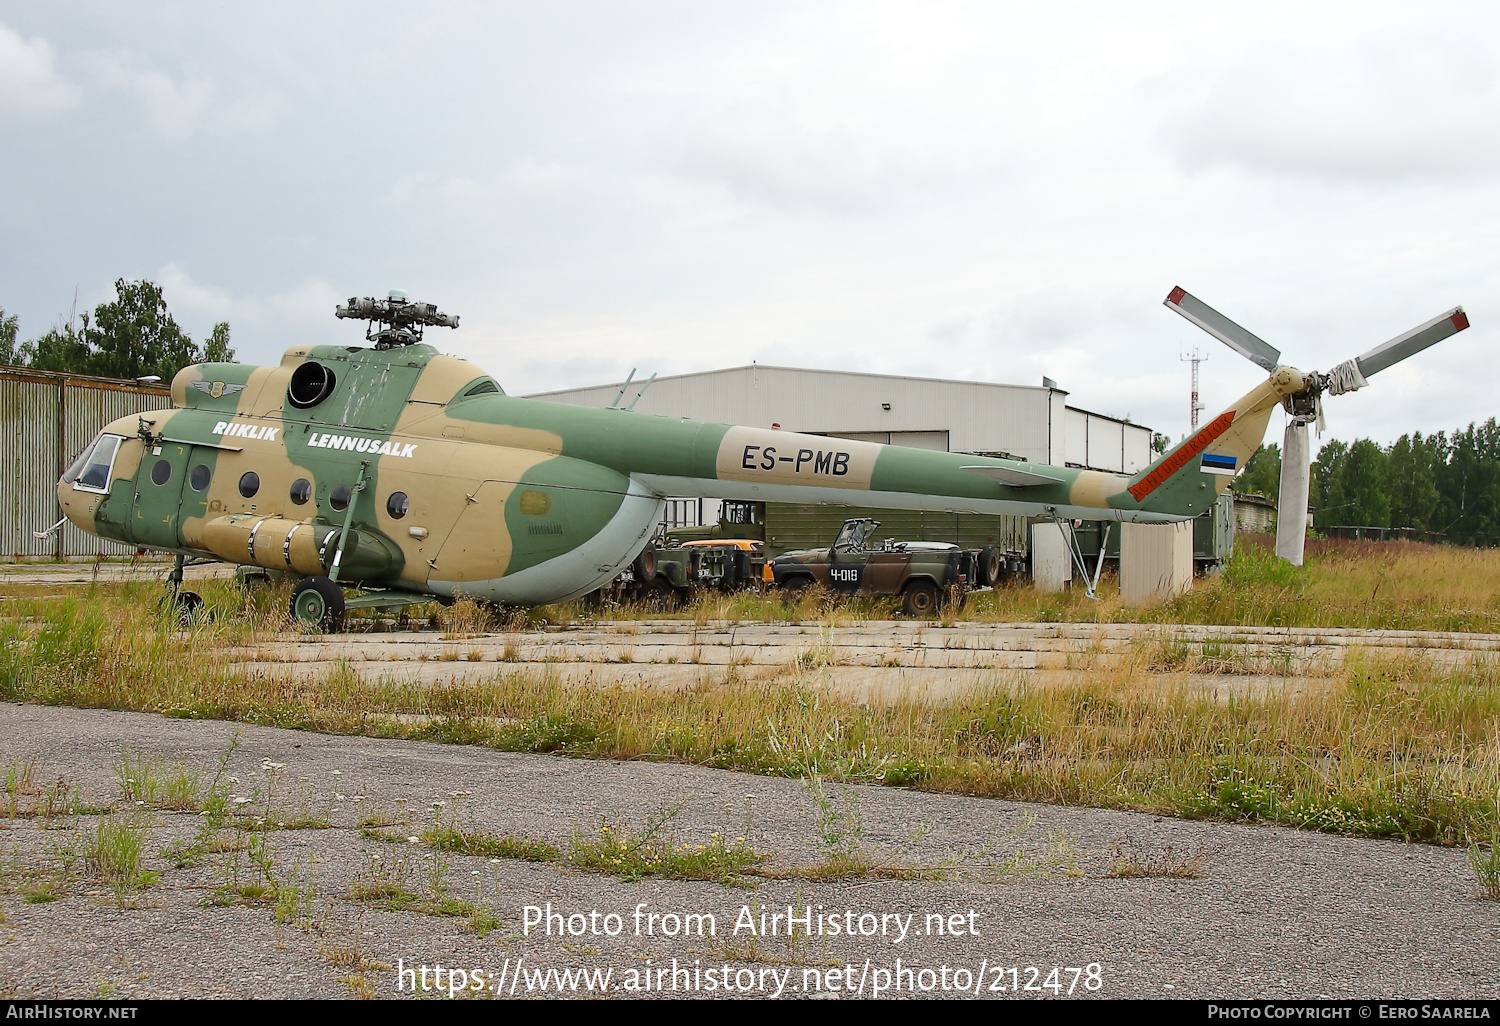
(115, 850)
(1486, 863)
(378, 817)
(656, 852)
(473, 841)
(1133, 860)
(841, 827)
(20, 783)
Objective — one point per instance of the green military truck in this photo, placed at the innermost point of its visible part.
(787, 526)
(665, 573)
(924, 574)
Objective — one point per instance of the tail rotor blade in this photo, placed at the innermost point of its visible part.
(1291, 502)
(1413, 342)
(1254, 349)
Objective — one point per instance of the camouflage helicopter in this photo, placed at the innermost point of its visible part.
(405, 474)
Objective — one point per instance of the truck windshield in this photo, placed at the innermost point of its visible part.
(853, 534)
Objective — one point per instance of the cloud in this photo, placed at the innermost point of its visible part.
(176, 107)
(1393, 105)
(30, 85)
(258, 323)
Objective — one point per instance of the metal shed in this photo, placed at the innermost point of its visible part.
(49, 418)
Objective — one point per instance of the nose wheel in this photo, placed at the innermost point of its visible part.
(318, 602)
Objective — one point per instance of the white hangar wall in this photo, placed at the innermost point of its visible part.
(1032, 423)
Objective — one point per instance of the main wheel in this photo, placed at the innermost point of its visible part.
(188, 607)
(921, 598)
(319, 602)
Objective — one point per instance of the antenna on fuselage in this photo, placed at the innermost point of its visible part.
(640, 393)
(401, 321)
(615, 405)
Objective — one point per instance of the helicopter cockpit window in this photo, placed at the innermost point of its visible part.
(853, 535)
(485, 386)
(91, 470)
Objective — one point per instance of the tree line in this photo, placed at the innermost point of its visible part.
(1444, 483)
(132, 336)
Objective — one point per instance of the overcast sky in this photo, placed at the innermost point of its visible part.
(990, 191)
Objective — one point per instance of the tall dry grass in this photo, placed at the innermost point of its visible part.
(1390, 747)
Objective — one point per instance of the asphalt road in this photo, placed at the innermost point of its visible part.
(1275, 913)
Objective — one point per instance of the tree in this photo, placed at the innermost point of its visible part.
(7, 338)
(216, 349)
(1324, 468)
(1361, 487)
(1469, 484)
(1412, 480)
(131, 337)
(1262, 473)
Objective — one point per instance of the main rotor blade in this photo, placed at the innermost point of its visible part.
(1254, 349)
(1413, 342)
(1291, 500)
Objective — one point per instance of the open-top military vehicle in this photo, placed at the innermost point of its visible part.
(924, 574)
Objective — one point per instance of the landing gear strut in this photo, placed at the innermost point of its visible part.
(186, 605)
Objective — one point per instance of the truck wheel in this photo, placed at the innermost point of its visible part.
(659, 594)
(793, 588)
(645, 565)
(921, 598)
(319, 602)
(991, 565)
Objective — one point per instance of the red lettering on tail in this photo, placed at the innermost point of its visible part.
(1179, 459)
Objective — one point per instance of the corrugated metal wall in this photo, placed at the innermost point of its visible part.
(48, 419)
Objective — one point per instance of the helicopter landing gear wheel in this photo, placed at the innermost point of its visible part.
(187, 608)
(318, 602)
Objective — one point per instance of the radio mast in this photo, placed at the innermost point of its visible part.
(1196, 406)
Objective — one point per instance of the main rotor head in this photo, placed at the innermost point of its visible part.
(400, 320)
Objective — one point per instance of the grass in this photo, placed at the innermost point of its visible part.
(114, 852)
(473, 841)
(657, 852)
(1486, 863)
(1389, 747)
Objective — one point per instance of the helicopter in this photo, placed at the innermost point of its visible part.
(403, 474)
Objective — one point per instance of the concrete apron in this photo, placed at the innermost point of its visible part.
(873, 660)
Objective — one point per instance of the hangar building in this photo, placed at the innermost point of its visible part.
(1018, 421)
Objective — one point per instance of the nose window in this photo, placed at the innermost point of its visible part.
(93, 468)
